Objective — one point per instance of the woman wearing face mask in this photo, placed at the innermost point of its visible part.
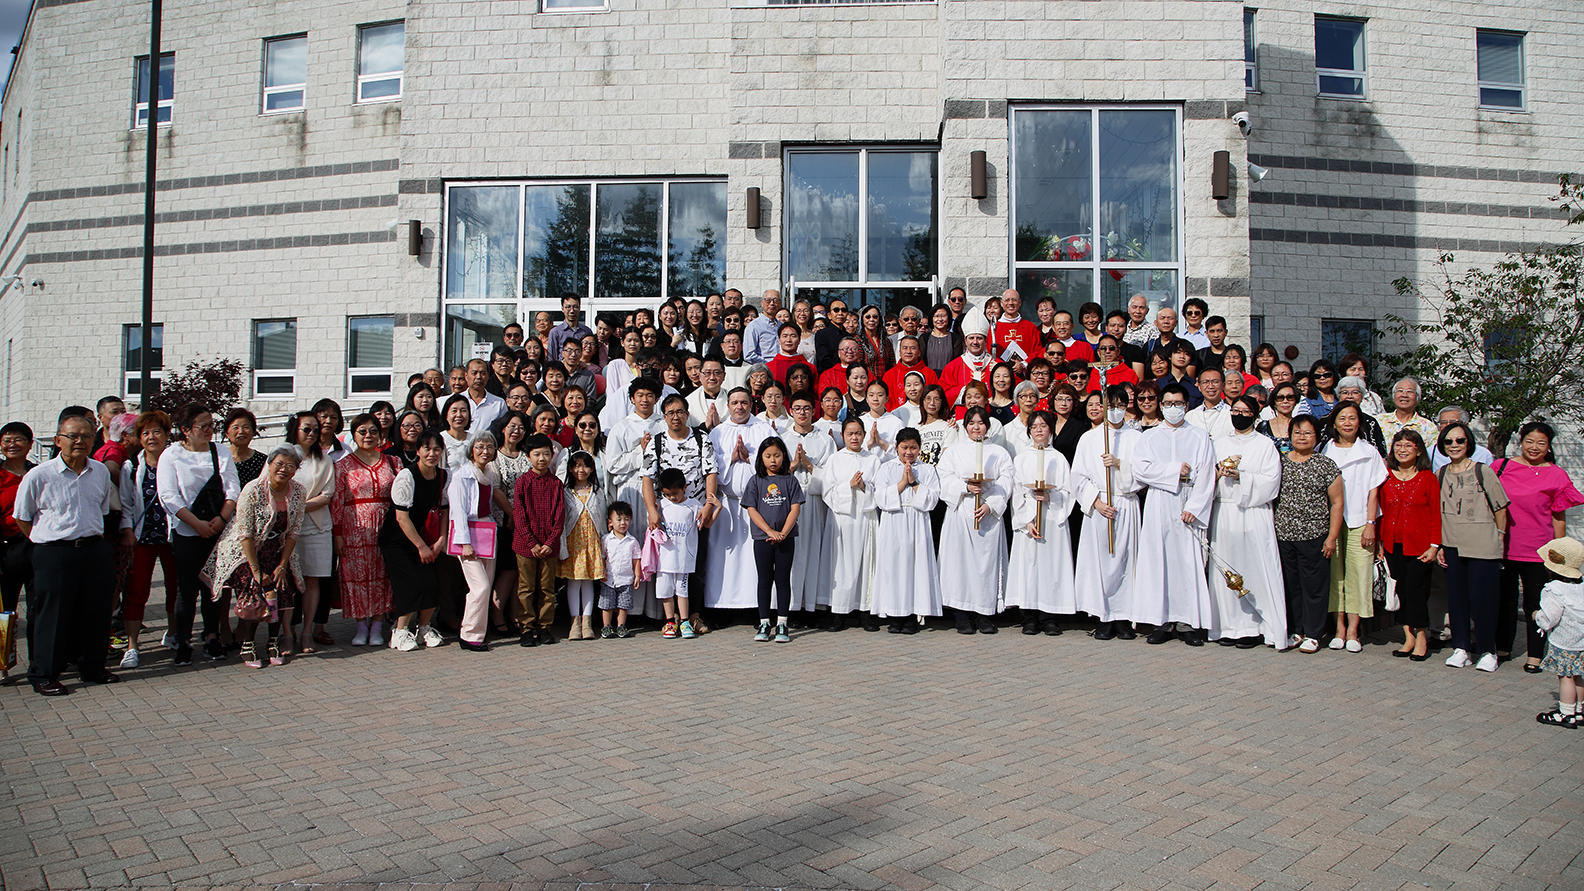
(1242, 534)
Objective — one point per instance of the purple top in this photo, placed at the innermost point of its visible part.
(1536, 493)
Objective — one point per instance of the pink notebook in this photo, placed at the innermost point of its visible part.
(483, 534)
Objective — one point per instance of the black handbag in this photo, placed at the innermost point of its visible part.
(211, 498)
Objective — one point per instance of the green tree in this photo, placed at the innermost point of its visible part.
(1507, 342)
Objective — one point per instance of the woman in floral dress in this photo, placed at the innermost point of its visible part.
(362, 497)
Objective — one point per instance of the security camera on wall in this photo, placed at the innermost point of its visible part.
(1244, 122)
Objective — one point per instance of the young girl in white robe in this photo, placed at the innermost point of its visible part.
(848, 482)
(1103, 579)
(1040, 576)
(973, 547)
(907, 579)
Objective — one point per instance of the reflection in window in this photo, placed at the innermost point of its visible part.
(627, 240)
(473, 330)
(381, 52)
(901, 216)
(1339, 57)
(555, 241)
(1338, 337)
(1065, 159)
(285, 73)
(167, 90)
(696, 250)
(132, 369)
(822, 205)
(481, 263)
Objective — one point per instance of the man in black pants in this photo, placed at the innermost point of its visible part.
(61, 507)
(685, 449)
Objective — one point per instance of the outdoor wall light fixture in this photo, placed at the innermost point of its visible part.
(414, 237)
(753, 207)
(978, 176)
(1220, 175)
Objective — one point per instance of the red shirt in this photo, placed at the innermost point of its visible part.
(782, 364)
(8, 493)
(834, 376)
(1117, 374)
(538, 511)
(895, 377)
(1410, 513)
(1079, 350)
(1021, 332)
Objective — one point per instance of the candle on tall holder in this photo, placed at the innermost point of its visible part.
(980, 479)
(1040, 489)
(1111, 520)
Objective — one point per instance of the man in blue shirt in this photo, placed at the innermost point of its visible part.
(569, 328)
(759, 336)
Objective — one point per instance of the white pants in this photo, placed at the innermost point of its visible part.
(480, 576)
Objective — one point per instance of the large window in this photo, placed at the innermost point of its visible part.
(381, 49)
(1095, 209)
(571, 5)
(1338, 337)
(1339, 57)
(861, 225)
(275, 359)
(1501, 69)
(514, 249)
(167, 92)
(285, 73)
(369, 348)
(132, 350)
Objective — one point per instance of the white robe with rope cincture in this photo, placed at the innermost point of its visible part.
(731, 577)
(973, 561)
(907, 580)
(852, 513)
(1103, 580)
(1040, 574)
(623, 460)
(1169, 583)
(812, 573)
(1243, 536)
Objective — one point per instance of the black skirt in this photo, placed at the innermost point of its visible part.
(415, 585)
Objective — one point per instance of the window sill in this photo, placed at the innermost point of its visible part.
(282, 111)
(1483, 109)
(1343, 96)
(167, 125)
(383, 100)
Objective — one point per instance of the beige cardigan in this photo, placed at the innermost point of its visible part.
(254, 514)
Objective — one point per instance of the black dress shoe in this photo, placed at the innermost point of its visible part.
(869, 623)
(530, 638)
(1193, 638)
(984, 624)
(546, 638)
(1532, 669)
(894, 628)
(51, 688)
(964, 623)
(1124, 630)
(1248, 643)
(102, 677)
(472, 647)
(1159, 636)
(837, 622)
(1227, 642)
(1030, 626)
(1051, 628)
(910, 625)
(1105, 631)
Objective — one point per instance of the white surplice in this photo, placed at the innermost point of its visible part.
(731, 577)
(1016, 438)
(853, 515)
(906, 579)
(623, 460)
(973, 561)
(890, 425)
(1103, 580)
(618, 376)
(1040, 575)
(1243, 536)
(1169, 584)
(812, 574)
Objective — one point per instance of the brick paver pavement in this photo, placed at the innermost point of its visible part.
(851, 760)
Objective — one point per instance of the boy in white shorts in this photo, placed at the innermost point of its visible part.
(679, 517)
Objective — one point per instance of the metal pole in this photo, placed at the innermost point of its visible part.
(145, 378)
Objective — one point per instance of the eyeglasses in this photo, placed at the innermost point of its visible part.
(1149, 399)
(1193, 312)
(75, 437)
(588, 425)
(1286, 398)
(1459, 440)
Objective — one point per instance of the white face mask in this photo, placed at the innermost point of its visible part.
(1174, 414)
(1116, 416)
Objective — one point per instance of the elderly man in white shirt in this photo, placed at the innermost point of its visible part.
(1449, 415)
(485, 407)
(61, 508)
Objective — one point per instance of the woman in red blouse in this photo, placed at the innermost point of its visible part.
(1409, 534)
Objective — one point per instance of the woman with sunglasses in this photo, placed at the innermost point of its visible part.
(878, 356)
(1473, 526)
(1322, 395)
(1146, 406)
(1284, 399)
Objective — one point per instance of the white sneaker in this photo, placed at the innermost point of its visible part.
(1459, 659)
(431, 637)
(1354, 646)
(1487, 662)
(168, 641)
(404, 640)
(130, 660)
(1336, 643)
(377, 634)
(361, 638)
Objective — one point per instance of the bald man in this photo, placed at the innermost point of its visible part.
(1013, 328)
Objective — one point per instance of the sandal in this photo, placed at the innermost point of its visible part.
(1557, 719)
(276, 657)
(305, 645)
(250, 658)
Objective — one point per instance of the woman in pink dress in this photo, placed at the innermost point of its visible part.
(362, 497)
(1541, 493)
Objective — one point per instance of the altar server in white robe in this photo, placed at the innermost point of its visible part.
(973, 547)
(625, 447)
(620, 372)
(1103, 580)
(1243, 535)
(731, 577)
(1177, 462)
(907, 578)
(881, 425)
(809, 448)
(848, 490)
(1040, 575)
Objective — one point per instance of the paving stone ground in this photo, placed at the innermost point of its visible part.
(839, 761)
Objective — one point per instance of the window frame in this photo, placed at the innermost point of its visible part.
(1095, 264)
(1521, 88)
(266, 91)
(129, 375)
(1361, 74)
(1251, 82)
(399, 75)
(256, 354)
(137, 74)
(599, 6)
(356, 371)
(791, 284)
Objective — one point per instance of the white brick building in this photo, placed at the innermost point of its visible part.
(587, 150)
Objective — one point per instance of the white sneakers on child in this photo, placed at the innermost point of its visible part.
(130, 660)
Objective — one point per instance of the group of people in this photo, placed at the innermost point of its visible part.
(819, 465)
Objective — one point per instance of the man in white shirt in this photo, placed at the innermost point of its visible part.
(61, 507)
(1139, 330)
(485, 407)
(1213, 415)
(759, 336)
